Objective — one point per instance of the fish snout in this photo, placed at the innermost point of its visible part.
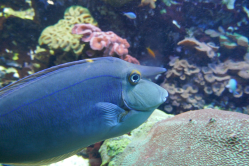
(164, 95)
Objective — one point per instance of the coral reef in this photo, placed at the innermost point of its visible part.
(59, 36)
(207, 64)
(201, 137)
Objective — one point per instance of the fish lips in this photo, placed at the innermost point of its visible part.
(126, 107)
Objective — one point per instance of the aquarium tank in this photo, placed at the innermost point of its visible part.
(124, 82)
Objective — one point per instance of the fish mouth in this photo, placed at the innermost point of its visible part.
(128, 108)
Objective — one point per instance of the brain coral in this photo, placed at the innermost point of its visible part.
(202, 137)
(59, 36)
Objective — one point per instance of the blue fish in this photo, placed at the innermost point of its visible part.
(130, 15)
(232, 86)
(55, 113)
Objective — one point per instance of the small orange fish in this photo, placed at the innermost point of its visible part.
(151, 52)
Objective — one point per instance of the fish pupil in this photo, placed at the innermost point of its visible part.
(135, 78)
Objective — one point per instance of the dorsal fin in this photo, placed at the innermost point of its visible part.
(34, 76)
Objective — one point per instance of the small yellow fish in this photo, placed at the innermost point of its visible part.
(151, 52)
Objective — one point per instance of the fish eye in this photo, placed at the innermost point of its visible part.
(134, 77)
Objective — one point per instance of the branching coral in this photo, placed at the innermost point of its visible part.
(59, 36)
(210, 75)
(204, 81)
(109, 42)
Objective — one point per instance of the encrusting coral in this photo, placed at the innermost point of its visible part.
(202, 137)
(148, 2)
(109, 42)
(200, 46)
(59, 36)
(228, 40)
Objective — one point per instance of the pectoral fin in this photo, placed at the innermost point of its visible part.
(112, 113)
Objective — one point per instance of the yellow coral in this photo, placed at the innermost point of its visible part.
(59, 36)
(26, 14)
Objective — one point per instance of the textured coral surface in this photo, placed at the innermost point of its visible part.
(199, 137)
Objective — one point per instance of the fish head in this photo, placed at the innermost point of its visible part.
(138, 92)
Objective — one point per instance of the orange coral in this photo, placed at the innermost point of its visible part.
(148, 2)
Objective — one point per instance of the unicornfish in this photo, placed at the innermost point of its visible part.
(55, 113)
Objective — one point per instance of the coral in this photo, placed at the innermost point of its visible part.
(228, 40)
(148, 2)
(73, 160)
(200, 46)
(113, 147)
(109, 42)
(93, 154)
(131, 59)
(198, 82)
(201, 137)
(210, 75)
(27, 14)
(186, 97)
(229, 3)
(59, 36)
(169, 2)
(241, 67)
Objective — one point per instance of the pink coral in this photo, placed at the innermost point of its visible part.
(109, 41)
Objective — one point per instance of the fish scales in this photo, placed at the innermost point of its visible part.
(69, 108)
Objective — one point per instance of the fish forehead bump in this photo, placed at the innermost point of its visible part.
(124, 67)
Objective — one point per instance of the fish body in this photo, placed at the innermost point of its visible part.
(232, 86)
(53, 114)
(130, 15)
(151, 52)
